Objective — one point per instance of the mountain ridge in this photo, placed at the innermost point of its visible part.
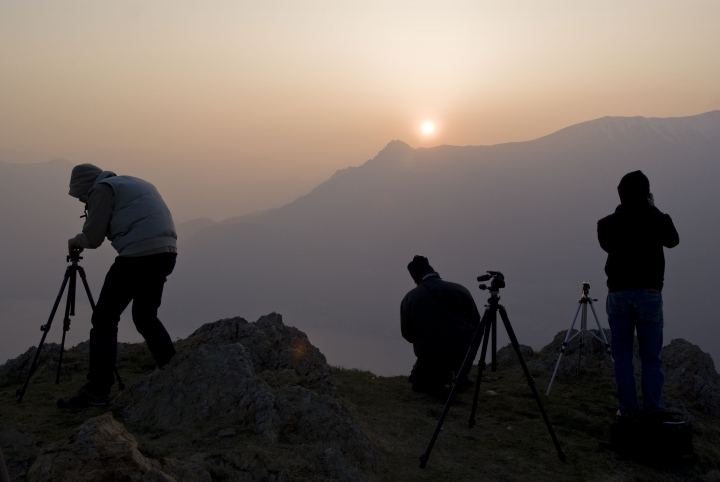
(399, 154)
(528, 209)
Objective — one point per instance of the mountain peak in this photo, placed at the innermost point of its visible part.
(396, 146)
(395, 152)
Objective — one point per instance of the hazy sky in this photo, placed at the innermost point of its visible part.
(231, 93)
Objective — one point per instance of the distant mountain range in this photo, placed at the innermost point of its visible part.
(333, 261)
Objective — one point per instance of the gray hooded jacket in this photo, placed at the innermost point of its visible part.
(128, 210)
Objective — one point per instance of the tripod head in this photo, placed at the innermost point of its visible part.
(586, 292)
(74, 256)
(498, 281)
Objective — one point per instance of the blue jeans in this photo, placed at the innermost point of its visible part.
(627, 312)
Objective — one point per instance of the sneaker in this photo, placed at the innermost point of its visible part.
(82, 399)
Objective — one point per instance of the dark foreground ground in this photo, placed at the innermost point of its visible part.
(509, 442)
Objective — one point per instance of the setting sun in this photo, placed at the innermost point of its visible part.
(428, 128)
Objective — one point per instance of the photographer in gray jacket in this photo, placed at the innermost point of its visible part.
(136, 220)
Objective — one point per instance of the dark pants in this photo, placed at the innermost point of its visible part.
(139, 280)
(629, 312)
(433, 373)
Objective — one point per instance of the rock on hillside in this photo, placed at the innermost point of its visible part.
(691, 381)
(102, 450)
(74, 361)
(260, 378)
(239, 401)
(690, 377)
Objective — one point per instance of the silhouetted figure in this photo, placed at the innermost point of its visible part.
(133, 216)
(634, 237)
(439, 318)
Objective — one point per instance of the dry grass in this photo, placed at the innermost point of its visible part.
(510, 441)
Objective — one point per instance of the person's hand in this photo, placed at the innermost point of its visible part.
(73, 247)
(651, 200)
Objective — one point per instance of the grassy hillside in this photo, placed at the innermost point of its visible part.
(509, 442)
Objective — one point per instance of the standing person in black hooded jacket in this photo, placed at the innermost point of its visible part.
(634, 237)
(439, 318)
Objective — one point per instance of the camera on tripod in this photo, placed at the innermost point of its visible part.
(74, 255)
(498, 281)
(586, 288)
(69, 282)
(486, 331)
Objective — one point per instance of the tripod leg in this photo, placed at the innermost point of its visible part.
(66, 322)
(87, 287)
(602, 332)
(45, 329)
(69, 311)
(494, 342)
(530, 380)
(581, 344)
(481, 367)
(562, 349)
(464, 370)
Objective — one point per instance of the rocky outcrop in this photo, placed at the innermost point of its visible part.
(690, 377)
(75, 361)
(206, 388)
(262, 378)
(276, 351)
(594, 359)
(506, 355)
(691, 381)
(101, 450)
(17, 368)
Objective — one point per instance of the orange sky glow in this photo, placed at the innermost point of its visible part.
(224, 93)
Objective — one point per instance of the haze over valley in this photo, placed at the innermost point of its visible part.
(308, 150)
(333, 260)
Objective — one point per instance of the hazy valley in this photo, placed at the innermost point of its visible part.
(333, 261)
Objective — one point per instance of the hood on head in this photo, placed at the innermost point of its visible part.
(82, 179)
(634, 188)
(419, 267)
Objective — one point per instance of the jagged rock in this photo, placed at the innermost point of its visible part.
(101, 450)
(208, 387)
(691, 381)
(506, 355)
(271, 346)
(75, 361)
(16, 369)
(690, 376)
(594, 359)
(263, 377)
(10, 437)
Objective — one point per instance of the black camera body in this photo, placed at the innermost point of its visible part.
(498, 281)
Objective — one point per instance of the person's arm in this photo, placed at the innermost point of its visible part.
(101, 201)
(465, 306)
(405, 322)
(604, 237)
(670, 236)
(475, 314)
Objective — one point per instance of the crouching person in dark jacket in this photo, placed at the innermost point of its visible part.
(634, 237)
(439, 318)
(133, 216)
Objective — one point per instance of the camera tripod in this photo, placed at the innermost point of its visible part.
(69, 281)
(585, 300)
(482, 334)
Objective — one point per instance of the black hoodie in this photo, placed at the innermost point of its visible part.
(634, 237)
